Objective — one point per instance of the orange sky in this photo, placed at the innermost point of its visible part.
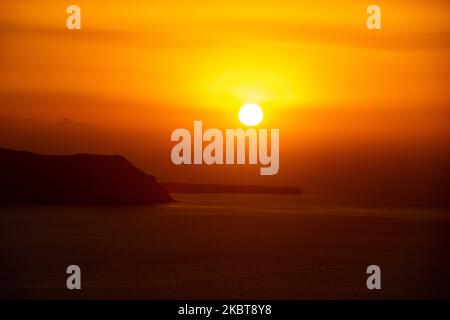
(144, 68)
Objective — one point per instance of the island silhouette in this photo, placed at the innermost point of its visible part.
(81, 179)
(174, 187)
(87, 179)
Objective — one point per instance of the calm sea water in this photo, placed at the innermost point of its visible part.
(312, 203)
(227, 246)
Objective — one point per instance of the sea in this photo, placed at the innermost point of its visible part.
(228, 246)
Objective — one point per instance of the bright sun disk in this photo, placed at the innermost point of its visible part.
(251, 114)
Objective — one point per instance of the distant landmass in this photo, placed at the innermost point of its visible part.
(83, 179)
(218, 188)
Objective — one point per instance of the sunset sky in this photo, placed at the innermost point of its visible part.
(354, 107)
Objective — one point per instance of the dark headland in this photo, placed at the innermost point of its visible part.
(83, 179)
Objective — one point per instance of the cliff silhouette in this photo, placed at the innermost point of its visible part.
(83, 179)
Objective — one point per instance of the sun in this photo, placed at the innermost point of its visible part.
(251, 114)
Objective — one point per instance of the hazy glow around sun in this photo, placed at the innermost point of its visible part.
(251, 114)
